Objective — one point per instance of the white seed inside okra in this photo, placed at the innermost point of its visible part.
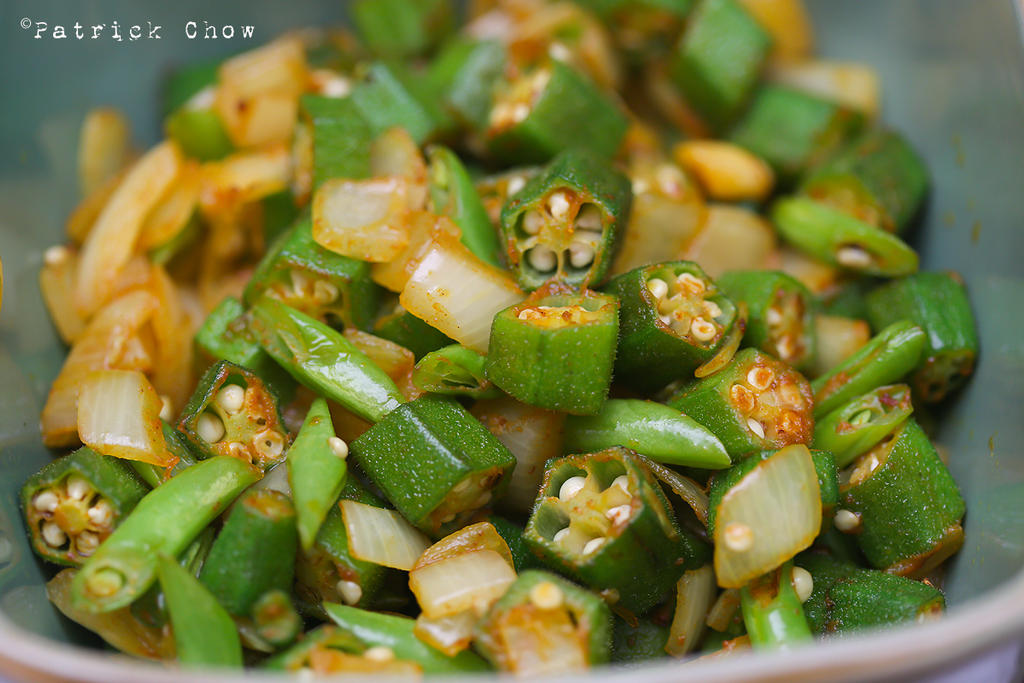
(702, 330)
(852, 256)
(533, 221)
(546, 595)
(846, 521)
(46, 501)
(542, 259)
(560, 535)
(760, 378)
(558, 205)
(100, 514)
(338, 447)
(324, 292)
(619, 514)
(230, 398)
(570, 487)
(350, 591)
(53, 535)
(589, 218)
(593, 545)
(269, 443)
(803, 583)
(657, 287)
(581, 254)
(755, 427)
(87, 542)
(210, 428)
(78, 488)
(622, 481)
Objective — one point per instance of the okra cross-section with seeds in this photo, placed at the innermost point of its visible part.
(780, 310)
(603, 519)
(854, 428)
(754, 403)
(566, 223)
(435, 462)
(233, 413)
(672, 319)
(74, 503)
(555, 351)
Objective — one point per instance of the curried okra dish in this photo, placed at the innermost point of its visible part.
(532, 340)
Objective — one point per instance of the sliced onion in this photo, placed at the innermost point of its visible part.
(363, 219)
(732, 238)
(775, 510)
(394, 359)
(381, 536)
(108, 341)
(242, 178)
(531, 641)
(119, 415)
(533, 435)
(848, 83)
(111, 241)
(722, 612)
(104, 147)
(695, 591)
(471, 580)
(451, 635)
(838, 339)
(395, 154)
(423, 229)
(173, 329)
(454, 291)
(57, 284)
(172, 214)
(471, 538)
(84, 216)
(324, 661)
(788, 24)
(690, 491)
(729, 345)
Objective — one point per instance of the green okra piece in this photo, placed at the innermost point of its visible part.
(75, 502)
(753, 404)
(341, 137)
(453, 194)
(513, 535)
(772, 612)
(316, 471)
(403, 328)
(204, 634)
(640, 642)
(376, 629)
(856, 427)
(300, 273)
(274, 619)
(324, 360)
(718, 60)
(877, 178)
(550, 109)
(672, 319)
(393, 95)
(846, 597)
(187, 81)
(603, 519)
(841, 240)
(556, 351)
(328, 572)
(151, 607)
(177, 446)
(199, 131)
(575, 625)
(848, 300)
(280, 212)
(225, 335)
(233, 413)
(780, 313)
(907, 507)
(296, 658)
(828, 484)
(254, 552)
(454, 371)
(465, 74)
(794, 130)
(566, 223)
(495, 190)
(164, 522)
(886, 358)
(402, 28)
(653, 429)
(435, 462)
(937, 303)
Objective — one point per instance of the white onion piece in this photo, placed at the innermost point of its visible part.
(451, 635)
(458, 293)
(57, 284)
(695, 592)
(848, 83)
(533, 435)
(467, 581)
(535, 642)
(381, 536)
(722, 612)
(104, 146)
(362, 219)
(690, 491)
(119, 415)
(779, 502)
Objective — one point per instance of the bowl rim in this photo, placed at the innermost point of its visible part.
(979, 625)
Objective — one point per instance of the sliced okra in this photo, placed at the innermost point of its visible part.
(320, 283)
(454, 371)
(828, 483)
(453, 194)
(178, 447)
(550, 109)
(254, 551)
(151, 607)
(877, 178)
(718, 60)
(465, 74)
(902, 504)
(331, 650)
(535, 350)
(603, 519)
(341, 137)
(753, 404)
(496, 190)
(772, 609)
(317, 471)
(566, 223)
(545, 624)
(402, 28)
(403, 328)
(842, 240)
(233, 413)
(886, 358)
(673, 318)
(846, 597)
(780, 313)
(225, 335)
(514, 536)
(640, 641)
(75, 502)
(793, 130)
(435, 462)
(937, 303)
(392, 95)
(273, 622)
(852, 429)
